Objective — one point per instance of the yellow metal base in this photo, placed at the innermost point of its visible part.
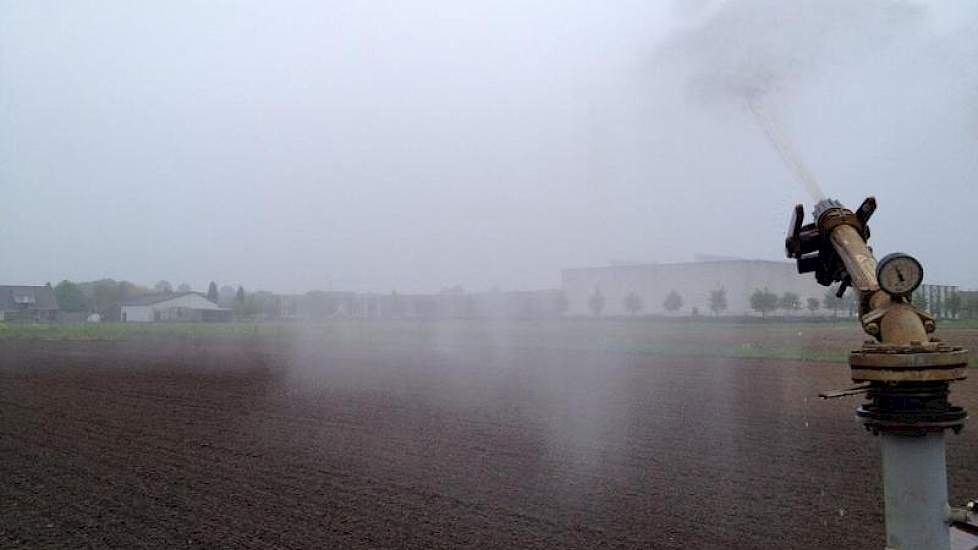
(929, 362)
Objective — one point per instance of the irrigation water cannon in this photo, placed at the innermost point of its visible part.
(904, 372)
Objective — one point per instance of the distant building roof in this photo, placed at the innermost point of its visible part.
(681, 265)
(702, 257)
(17, 298)
(150, 299)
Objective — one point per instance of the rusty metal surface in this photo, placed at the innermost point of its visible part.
(909, 357)
(855, 254)
(901, 325)
(922, 362)
(910, 408)
(893, 375)
(893, 320)
(834, 245)
(848, 233)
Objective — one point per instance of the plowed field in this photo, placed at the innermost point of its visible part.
(217, 444)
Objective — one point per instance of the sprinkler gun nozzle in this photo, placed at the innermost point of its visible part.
(812, 246)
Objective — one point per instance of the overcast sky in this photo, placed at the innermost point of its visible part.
(417, 145)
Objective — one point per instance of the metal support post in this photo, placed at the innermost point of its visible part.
(915, 491)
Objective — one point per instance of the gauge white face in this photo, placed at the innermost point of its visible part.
(899, 274)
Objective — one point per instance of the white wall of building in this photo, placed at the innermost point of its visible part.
(693, 281)
(137, 314)
(147, 313)
(937, 297)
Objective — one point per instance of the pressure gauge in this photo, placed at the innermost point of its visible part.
(899, 274)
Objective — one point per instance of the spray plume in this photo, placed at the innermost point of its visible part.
(771, 127)
(753, 52)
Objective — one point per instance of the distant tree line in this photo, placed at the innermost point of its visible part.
(632, 303)
(762, 301)
(766, 302)
(788, 303)
(104, 294)
(95, 296)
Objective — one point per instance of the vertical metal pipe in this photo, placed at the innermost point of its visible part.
(915, 491)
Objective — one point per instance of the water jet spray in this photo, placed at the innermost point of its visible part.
(771, 127)
(903, 370)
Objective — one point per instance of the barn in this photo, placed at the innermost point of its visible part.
(173, 307)
(28, 303)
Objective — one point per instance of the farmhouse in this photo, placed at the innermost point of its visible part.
(181, 306)
(28, 303)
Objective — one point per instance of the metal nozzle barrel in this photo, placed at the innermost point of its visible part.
(855, 254)
(847, 232)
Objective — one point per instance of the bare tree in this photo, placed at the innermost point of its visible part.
(718, 301)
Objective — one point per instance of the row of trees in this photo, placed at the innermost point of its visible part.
(104, 297)
(95, 296)
(766, 302)
(633, 303)
(763, 301)
(99, 296)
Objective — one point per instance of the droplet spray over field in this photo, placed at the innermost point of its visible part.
(773, 129)
(758, 55)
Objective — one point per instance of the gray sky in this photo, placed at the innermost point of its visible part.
(416, 145)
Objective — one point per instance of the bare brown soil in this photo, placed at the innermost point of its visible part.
(142, 445)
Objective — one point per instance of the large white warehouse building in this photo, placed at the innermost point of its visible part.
(693, 281)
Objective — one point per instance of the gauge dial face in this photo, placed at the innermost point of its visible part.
(899, 273)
